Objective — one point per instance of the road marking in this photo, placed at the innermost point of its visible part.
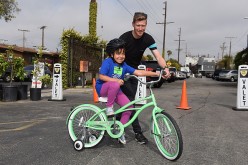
(30, 124)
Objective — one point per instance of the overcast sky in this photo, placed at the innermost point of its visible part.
(205, 24)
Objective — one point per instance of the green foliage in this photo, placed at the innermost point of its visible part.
(7, 9)
(8, 60)
(92, 19)
(46, 79)
(225, 63)
(3, 63)
(174, 63)
(67, 37)
(241, 58)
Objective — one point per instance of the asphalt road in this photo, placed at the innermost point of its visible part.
(35, 133)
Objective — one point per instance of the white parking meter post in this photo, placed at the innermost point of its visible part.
(57, 90)
(242, 89)
(141, 88)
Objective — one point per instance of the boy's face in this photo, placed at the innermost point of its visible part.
(119, 55)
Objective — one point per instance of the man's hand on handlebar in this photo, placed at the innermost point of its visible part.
(166, 73)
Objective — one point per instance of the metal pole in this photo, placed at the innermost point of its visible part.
(179, 45)
(165, 11)
(42, 43)
(23, 36)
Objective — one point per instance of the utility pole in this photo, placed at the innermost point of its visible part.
(164, 23)
(223, 49)
(179, 42)
(230, 47)
(23, 36)
(42, 44)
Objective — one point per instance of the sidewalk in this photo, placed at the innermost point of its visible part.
(48, 91)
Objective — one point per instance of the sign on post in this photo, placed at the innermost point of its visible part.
(242, 89)
(57, 90)
(84, 65)
(141, 88)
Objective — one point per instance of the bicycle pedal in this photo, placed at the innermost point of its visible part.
(110, 116)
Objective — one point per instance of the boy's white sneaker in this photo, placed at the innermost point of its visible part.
(122, 139)
(109, 111)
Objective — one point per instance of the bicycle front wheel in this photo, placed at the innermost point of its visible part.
(169, 142)
(78, 130)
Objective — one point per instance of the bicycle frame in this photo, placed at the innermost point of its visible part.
(104, 125)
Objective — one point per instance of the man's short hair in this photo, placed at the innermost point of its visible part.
(139, 16)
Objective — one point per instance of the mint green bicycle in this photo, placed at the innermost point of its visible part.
(88, 123)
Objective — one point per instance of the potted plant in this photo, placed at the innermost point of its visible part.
(16, 66)
(35, 90)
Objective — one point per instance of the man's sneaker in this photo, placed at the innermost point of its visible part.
(140, 138)
(122, 139)
(109, 112)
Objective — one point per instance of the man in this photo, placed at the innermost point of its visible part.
(137, 40)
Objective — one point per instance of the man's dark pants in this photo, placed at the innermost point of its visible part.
(129, 89)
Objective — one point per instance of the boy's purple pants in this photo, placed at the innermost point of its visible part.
(111, 89)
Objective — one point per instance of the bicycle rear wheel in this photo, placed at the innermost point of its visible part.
(169, 142)
(78, 130)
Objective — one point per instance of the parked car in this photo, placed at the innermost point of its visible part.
(6, 75)
(209, 75)
(230, 75)
(216, 74)
(198, 75)
(187, 74)
(180, 75)
(28, 72)
(173, 72)
(153, 66)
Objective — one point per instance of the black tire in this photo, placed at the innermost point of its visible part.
(78, 145)
(170, 142)
(232, 79)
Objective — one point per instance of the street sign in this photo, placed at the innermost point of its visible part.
(141, 88)
(57, 91)
(242, 90)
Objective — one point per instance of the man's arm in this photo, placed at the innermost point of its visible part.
(161, 61)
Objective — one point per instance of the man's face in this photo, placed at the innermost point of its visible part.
(139, 28)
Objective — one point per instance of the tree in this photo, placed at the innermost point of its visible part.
(7, 9)
(225, 63)
(241, 58)
(92, 18)
(169, 52)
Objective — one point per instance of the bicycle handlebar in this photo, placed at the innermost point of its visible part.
(128, 76)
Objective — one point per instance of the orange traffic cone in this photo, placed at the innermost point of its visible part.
(184, 100)
(95, 95)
